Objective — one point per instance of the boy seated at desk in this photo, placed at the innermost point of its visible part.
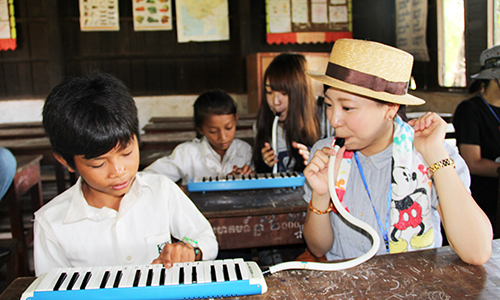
(215, 151)
(113, 215)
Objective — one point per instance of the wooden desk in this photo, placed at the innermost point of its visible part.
(254, 218)
(428, 274)
(185, 126)
(190, 119)
(41, 145)
(21, 133)
(168, 140)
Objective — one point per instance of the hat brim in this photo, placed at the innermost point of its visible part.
(490, 73)
(406, 99)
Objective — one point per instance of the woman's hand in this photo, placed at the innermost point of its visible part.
(430, 131)
(303, 150)
(316, 171)
(174, 253)
(268, 155)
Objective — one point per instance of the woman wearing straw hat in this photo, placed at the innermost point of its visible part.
(383, 169)
(477, 127)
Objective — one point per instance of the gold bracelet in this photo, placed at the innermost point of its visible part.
(439, 165)
(314, 210)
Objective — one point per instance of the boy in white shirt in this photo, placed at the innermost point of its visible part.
(215, 151)
(113, 215)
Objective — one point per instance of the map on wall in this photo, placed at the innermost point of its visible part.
(152, 14)
(308, 21)
(202, 20)
(8, 33)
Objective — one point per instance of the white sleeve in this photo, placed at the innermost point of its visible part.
(187, 220)
(46, 250)
(170, 166)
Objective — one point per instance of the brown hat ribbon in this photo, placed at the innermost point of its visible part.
(368, 81)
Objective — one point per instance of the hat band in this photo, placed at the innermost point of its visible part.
(368, 81)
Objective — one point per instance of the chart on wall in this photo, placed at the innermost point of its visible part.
(98, 15)
(308, 21)
(8, 34)
(152, 14)
(202, 20)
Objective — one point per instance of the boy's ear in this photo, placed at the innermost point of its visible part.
(63, 162)
(236, 116)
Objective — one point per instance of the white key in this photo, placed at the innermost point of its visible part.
(188, 275)
(48, 282)
(92, 282)
(156, 274)
(112, 276)
(219, 274)
(70, 273)
(127, 277)
(230, 268)
(78, 283)
(200, 272)
(243, 268)
(174, 274)
(207, 271)
(144, 276)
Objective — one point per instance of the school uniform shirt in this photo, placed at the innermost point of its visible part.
(70, 233)
(197, 158)
(351, 241)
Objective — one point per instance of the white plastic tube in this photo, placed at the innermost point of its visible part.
(275, 140)
(343, 212)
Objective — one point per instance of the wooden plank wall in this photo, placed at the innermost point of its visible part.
(52, 47)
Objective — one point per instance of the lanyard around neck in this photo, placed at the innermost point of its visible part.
(491, 109)
(383, 229)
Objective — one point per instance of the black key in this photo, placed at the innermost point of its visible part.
(238, 272)
(118, 278)
(225, 272)
(85, 280)
(204, 179)
(212, 273)
(105, 279)
(72, 281)
(193, 274)
(137, 277)
(60, 281)
(181, 275)
(150, 277)
(162, 277)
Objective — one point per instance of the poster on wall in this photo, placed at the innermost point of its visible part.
(411, 28)
(98, 15)
(152, 14)
(308, 21)
(202, 20)
(8, 34)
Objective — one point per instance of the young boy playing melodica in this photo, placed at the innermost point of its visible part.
(113, 215)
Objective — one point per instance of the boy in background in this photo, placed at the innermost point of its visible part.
(215, 152)
(113, 215)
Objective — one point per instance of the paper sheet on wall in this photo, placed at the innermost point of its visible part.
(98, 15)
(8, 34)
(307, 21)
(411, 27)
(202, 20)
(152, 14)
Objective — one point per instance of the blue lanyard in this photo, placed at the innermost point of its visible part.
(491, 109)
(383, 229)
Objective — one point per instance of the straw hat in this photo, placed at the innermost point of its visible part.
(369, 69)
(490, 64)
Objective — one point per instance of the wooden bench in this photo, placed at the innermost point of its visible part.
(190, 119)
(187, 126)
(27, 178)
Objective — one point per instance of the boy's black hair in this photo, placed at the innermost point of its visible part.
(215, 102)
(89, 115)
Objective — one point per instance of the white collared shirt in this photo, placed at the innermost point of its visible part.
(71, 233)
(197, 158)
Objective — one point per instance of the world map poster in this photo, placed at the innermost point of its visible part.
(202, 20)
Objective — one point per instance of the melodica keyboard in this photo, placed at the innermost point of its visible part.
(200, 279)
(246, 182)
